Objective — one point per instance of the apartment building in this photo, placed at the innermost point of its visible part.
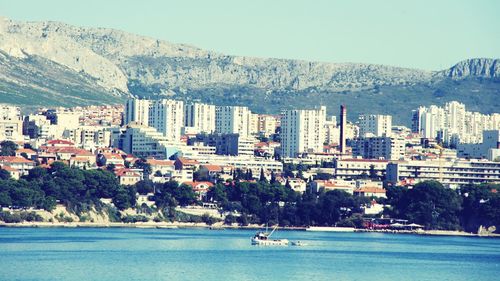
(302, 131)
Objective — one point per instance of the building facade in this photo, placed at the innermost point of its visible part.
(388, 148)
(233, 120)
(375, 125)
(450, 173)
(302, 131)
(167, 117)
(137, 110)
(200, 116)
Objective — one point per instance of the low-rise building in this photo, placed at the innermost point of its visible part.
(352, 168)
(370, 191)
(19, 163)
(297, 184)
(14, 173)
(111, 159)
(215, 171)
(244, 163)
(182, 163)
(488, 149)
(450, 173)
(162, 166)
(128, 176)
(200, 188)
(333, 184)
(26, 152)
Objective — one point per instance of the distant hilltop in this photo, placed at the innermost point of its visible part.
(484, 68)
(61, 64)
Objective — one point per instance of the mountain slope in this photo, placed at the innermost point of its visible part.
(60, 64)
(37, 81)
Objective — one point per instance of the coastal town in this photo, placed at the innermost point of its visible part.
(249, 140)
(148, 144)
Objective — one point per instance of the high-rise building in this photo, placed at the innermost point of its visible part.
(268, 124)
(167, 117)
(332, 131)
(233, 120)
(302, 131)
(9, 112)
(343, 128)
(379, 148)
(11, 129)
(200, 117)
(375, 125)
(452, 124)
(489, 148)
(253, 124)
(137, 110)
(10, 123)
(144, 141)
(229, 144)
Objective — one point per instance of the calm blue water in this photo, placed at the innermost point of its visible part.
(196, 254)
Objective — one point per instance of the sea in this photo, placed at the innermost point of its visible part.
(202, 254)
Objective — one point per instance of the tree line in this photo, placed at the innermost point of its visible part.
(77, 189)
(260, 202)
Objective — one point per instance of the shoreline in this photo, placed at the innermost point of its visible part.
(158, 225)
(186, 225)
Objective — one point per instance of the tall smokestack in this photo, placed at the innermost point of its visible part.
(343, 127)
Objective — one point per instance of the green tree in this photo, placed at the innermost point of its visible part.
(481, 206)
(5, 199)
(373, 173)
(122, 200)
(208, 219)
(144, 187)
(431, 204)
(262, 177)
(4, 175)
(145, 166)
(273, 178)
(8, 148)
(323, 176)
(218, 194)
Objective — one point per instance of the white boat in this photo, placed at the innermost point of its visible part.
(263, 239)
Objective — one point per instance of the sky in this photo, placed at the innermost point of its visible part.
(424, 34)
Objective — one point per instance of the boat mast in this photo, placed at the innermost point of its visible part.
(273, 231)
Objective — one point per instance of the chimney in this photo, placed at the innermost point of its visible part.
(343, 127)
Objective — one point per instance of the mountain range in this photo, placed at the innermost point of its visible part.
(56, 64)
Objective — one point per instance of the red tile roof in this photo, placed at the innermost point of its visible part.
(156, 162)
(187, 161)
(195, 185)
(14, 159)
(212, 168)
(370, 189)
(112, 156)
(9, 169)
(25, 150)
(54, 142)
(126, 173)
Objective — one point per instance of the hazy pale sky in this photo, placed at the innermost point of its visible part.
(426, 34)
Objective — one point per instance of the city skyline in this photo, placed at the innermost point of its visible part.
(343, 132)
(427, 34)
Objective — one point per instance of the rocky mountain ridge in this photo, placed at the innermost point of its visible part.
(52, 60)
